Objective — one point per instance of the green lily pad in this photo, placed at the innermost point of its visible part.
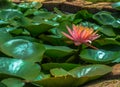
(58, 72)
(111, 47)
(107, 41)
(66, 66)
(18, 68)
(17, 31)
(5, 4)
(12, 30)
(98, 56)
(104, 18)
(2, 85)
(10, 14)
(20, 21)
(57, 51)
(2, 22)
(116, 5)
(4, 36)
(30, 5)
(116, 61)
(63, 81)
(52, 39)
(74, 77)
(29, 12)
(90, 71)
(35, 5)
(29, 38)
(13, 82)
(83, 14)
(116, 24)
(43, 15)
(107, 30)
(24, 49)
(38, 28)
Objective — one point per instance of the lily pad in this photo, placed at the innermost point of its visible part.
(63, 81)
(104, 18)
(107, 41)
(90, 71)
(38, 28)
(13, 82)
(107, 30)
(74, 77)
(4, 36)
(116, 5)
(2, 22)
(24, 49)
(53, 40)
(2, 85)
(98, 56)
(66, 66)
(58, 72)
(43, 15)
(29, 38)
(10, 14)
(57, 51)
(18, 68)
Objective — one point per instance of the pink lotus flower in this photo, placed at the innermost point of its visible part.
(81, 35)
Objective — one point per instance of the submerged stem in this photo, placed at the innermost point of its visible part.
(79, 49)
(91, 46)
